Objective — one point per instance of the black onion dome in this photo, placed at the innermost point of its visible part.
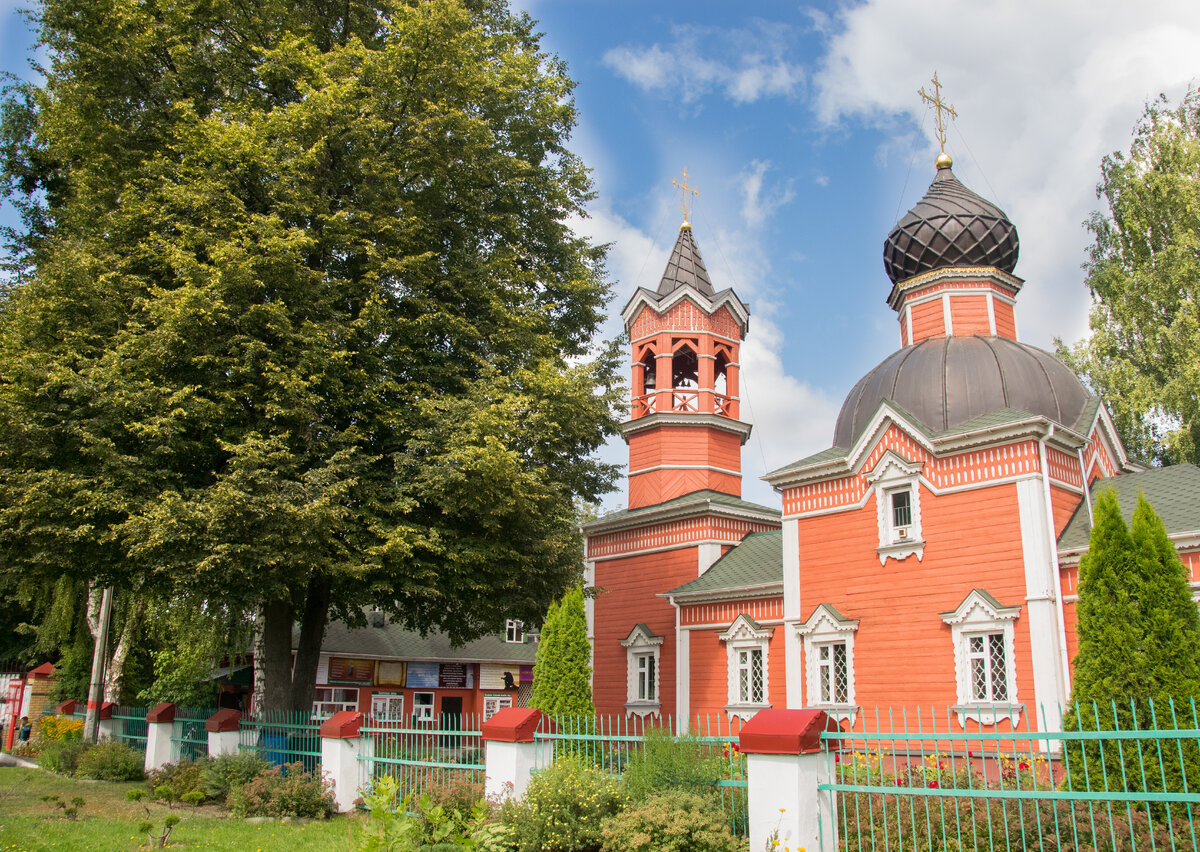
(950, 226)
(946, 381)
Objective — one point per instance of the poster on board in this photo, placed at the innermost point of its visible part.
(422, 676)
(389, 673)
(350, 670)
(498, 676)
(456, 676)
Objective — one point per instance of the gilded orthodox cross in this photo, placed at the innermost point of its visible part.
(942, 108)
(684, 189)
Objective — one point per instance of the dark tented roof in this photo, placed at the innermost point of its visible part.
(1174, 492)
(685, 267)
(950, 226)
(396, 643)
(756, 561)
(945, 382)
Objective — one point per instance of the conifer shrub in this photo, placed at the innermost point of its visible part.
(563, 808)
(286, 791)
(672, 821)
(111, 761)
(666, 762)
(229, 772)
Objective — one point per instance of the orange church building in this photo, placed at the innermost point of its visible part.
(928, 558)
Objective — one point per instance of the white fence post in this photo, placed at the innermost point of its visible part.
(343, 749)
(785, 761)
(106, 725)
(222, 729)
(162, 734)
(511, 752)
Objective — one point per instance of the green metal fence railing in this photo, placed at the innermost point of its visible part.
(644, 751)
(282, 737)
(192, 738)
(426, 755)
(130, 726)
(1118, 777)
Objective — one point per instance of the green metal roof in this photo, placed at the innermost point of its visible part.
(756, 561)
(719, 498)
(394, 642)
(1174, 492)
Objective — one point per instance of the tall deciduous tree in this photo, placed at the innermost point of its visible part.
(562, 674)
(1143, 354)
(295, 322)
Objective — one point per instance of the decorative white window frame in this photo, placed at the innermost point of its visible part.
(978, 615)
(892, 475)
(328, 700)
(827, 627)
(514, 631)
(745, 634)
(423, 712)
(642, 643)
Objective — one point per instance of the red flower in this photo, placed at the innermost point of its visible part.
(933, 784)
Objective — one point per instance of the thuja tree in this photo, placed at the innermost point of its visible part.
(562, 674)
(1138, 663)
(294, 322)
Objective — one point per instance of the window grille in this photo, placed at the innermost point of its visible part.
(750, 676)
(901, 508)
(834, 674)
(988, 662)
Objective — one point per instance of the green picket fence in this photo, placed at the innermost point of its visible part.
(706, 759)
(1120, 778)
(192, 738)
(131, 726)
(281, 737)
(422, 756)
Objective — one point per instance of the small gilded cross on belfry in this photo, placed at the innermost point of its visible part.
(685, 204)
(942, 109)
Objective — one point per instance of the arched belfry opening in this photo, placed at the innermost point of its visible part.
(685, 368)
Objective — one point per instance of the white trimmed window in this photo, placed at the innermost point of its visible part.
(746, 645)
(829, 660)
(514, 631)
(896, 482)
(328, 700)
(985, 666)
(642, 665)
(422, 706)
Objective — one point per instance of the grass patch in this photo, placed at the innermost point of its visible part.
(108, 821)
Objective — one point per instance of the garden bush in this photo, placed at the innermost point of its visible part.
(230, 772)
(111, 761)
(177, 780)
(674, 821)
(666, 762)
(62, 756)
(563, 808)
(283, 791)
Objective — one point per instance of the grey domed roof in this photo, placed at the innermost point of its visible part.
(950, 226)
(946, 381)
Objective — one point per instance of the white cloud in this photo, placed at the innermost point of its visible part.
(756, 204)
(1043, 91)
(745, 65)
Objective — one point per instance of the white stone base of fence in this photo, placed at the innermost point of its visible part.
(342, 749)
(511, 752)
(162, 735)
(785, 761)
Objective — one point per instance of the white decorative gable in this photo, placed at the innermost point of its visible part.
(893, 479)
(746, 629)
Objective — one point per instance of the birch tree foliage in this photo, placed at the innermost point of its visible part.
(295, 322)
(1143, 270)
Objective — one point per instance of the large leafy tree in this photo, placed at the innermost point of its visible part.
(295, 321)
(1143, 354)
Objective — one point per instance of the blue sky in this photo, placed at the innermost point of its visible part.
(802, 128)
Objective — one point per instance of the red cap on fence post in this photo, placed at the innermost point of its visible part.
(67, 708)
(784, 732)
(164, 712)
(515, 725)
(343, 725)
(106, 709)
(225, 719)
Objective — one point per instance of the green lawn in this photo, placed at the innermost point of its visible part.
(109, 822)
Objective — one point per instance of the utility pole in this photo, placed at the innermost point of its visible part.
(99, 658)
